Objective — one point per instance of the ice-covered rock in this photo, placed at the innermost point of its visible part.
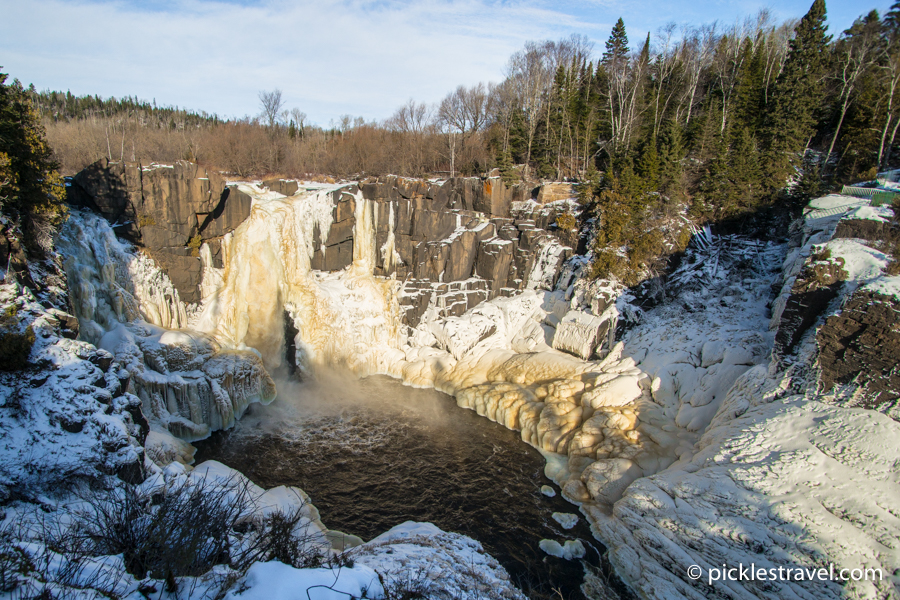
(65, 419)
(187, 382)
(569, 550)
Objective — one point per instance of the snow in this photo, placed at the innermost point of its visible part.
(833, 201)
(63, 422)
(421, 557)
(861, 262)
(277, 581)
(886, 285)
(871, 213)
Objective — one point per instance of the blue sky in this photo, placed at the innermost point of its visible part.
(331, 57)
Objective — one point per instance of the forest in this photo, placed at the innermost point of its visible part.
(704, 123)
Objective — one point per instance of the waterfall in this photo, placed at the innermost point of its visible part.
(348, 318)
(188, 383)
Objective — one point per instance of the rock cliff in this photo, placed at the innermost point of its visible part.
(454, 244)
(838, 309)
(167, 209)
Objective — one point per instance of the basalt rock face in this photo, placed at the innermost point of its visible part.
(861, 345)
(455, 244)
(865, 229)
(815, 288)
(163, 208)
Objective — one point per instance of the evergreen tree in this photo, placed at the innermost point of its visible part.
(671, 154)
(742, 174)
(30, 189)
(507, 169)
(797, 96)
(648, 166)
(750, 103)
(616, 46)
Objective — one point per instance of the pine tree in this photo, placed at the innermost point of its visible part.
(648, 165)
(616, 46)
(671, 154)
(742, 174)
(30, 188)
(507, 170)
(797, 97)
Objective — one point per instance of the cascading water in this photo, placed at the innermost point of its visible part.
(348, 318)
(188, 383)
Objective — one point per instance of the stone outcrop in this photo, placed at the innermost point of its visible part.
(555, 191)
(455, 244)
(861, 345)
(815, 288)
(163, 208)
(865, 229)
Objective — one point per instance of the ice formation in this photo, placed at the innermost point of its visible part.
(348, 318)
(188, 384)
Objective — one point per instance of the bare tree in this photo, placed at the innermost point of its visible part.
(462, 114)
(857, 51)
(697, 49)
(530, 76)
(890, 76)
(663, 70)
(299, 119)
(413, 121)
(271, 103)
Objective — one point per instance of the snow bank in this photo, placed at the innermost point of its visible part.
(68, 421)
(277, 581)
(421, 558)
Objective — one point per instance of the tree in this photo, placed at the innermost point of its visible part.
(530, 76)
(271, 103)
(857, 51)
(31, 190)
(797, 96)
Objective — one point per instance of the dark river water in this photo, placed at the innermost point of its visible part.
(372, 454)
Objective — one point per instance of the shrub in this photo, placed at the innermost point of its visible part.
(15, 343)
(14, 561)
(185, 530)
(566, 221)
(194, 244)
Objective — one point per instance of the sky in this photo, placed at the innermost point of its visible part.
(330, 57)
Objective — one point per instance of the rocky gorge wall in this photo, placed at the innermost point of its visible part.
(454, 244)
(838, 310)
